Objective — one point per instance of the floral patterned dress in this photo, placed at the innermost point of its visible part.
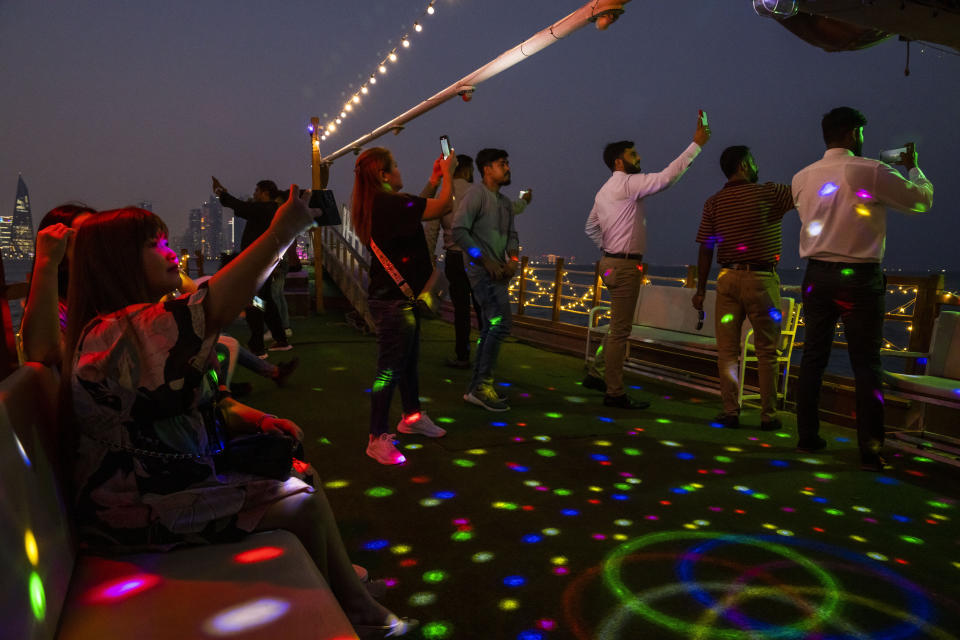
(145, 471)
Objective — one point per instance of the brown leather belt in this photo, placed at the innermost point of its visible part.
(750, 266)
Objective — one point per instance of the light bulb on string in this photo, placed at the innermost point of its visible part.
(383, 68)
(356, 99)
(417, 27)
(373, 79)
(392, 56)
(364, 90)
(343, 114)
(348, 107)
(405, 42)
(431, 10)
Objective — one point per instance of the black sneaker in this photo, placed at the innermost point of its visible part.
(877, 464)
(284, 369)
(771, 425)
(727, 421)
(624, 402)
(595, 383)
(812, 445)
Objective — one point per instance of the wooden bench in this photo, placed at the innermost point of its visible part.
(665, 326)
(263, 587)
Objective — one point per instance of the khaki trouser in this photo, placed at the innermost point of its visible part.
(623, 278)
(754, 295)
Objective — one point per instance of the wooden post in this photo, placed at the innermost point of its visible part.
(557, 290)
(925, 311)
(319, 174)
(597, 283)
(317, 237)
(199, 254)
(522, 286)
(691, 280)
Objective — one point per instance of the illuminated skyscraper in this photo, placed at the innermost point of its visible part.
(212, 227)
(16, 231)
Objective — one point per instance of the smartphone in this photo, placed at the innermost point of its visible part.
(524, 192)
(892, 156)
(703, 117)
(445, 146)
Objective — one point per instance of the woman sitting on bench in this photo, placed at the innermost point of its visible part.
(147, 418)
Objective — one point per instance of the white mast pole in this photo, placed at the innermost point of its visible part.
(601, 12)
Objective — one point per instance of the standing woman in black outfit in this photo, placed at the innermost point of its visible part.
(389, 222)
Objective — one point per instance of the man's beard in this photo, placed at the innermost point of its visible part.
(506, 181)
(858, 148)
(631, 168)
(754, 176)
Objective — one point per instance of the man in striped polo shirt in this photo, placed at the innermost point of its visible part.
(743, 221)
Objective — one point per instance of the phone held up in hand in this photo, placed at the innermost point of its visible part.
(892, 156)
(524, 192)
(445, 146)
(703, 118)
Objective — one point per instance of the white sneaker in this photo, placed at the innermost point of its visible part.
(382, 449)
(486, 396)
(421, 423)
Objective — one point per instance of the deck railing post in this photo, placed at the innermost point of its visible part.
(557, 290)
(8, 347)
(691, 280)
(522, 285)
(597, 283)
(926, 307)
(317, 238)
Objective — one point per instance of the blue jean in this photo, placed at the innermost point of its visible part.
(494, 300)
(398, 353)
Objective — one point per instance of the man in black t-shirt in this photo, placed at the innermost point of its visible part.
(258, 213)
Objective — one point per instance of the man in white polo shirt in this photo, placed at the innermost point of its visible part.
(842, 200)
(617, 224)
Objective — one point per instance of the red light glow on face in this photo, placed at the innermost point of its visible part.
(122, 588)
(260, 554)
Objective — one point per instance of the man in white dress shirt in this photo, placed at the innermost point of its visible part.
(617, 224)
(842, 200)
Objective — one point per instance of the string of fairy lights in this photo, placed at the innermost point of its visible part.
(353, 102)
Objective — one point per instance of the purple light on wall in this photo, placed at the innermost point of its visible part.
(123, 588)
(863, 193)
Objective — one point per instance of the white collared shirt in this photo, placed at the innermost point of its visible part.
(843, 199)
(618, 221)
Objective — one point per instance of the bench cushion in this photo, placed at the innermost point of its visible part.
(264, 586)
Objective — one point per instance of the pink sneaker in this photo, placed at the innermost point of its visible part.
(382, 449)
(421, 423)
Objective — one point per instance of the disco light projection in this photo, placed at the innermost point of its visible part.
(378, 492)
(21, 450)
(30, 547)
(825, 611)
(123, 588)
(246, 616)
(814, 229)
(260, 554)
(434, 576)
(827, 189)
(422, 599)
(38, 599)
(437, 630)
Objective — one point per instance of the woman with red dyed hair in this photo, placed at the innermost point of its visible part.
(389, 222)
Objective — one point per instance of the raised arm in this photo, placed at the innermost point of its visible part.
(232, 287)
(438, 206)
(40, 329)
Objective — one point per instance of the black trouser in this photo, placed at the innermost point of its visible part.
(461, 294)
(270, 314)
(398, 356)
(854, 294)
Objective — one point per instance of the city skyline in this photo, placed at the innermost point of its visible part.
(179, 97)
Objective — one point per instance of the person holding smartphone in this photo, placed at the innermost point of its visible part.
(389, 222)
(842, 200)
(617, 224)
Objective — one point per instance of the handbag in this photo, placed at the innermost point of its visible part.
(323, 200)
(259, 454)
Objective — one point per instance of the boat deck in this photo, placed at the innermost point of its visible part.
(565, 519)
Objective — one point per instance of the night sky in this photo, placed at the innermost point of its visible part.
(115, 102)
